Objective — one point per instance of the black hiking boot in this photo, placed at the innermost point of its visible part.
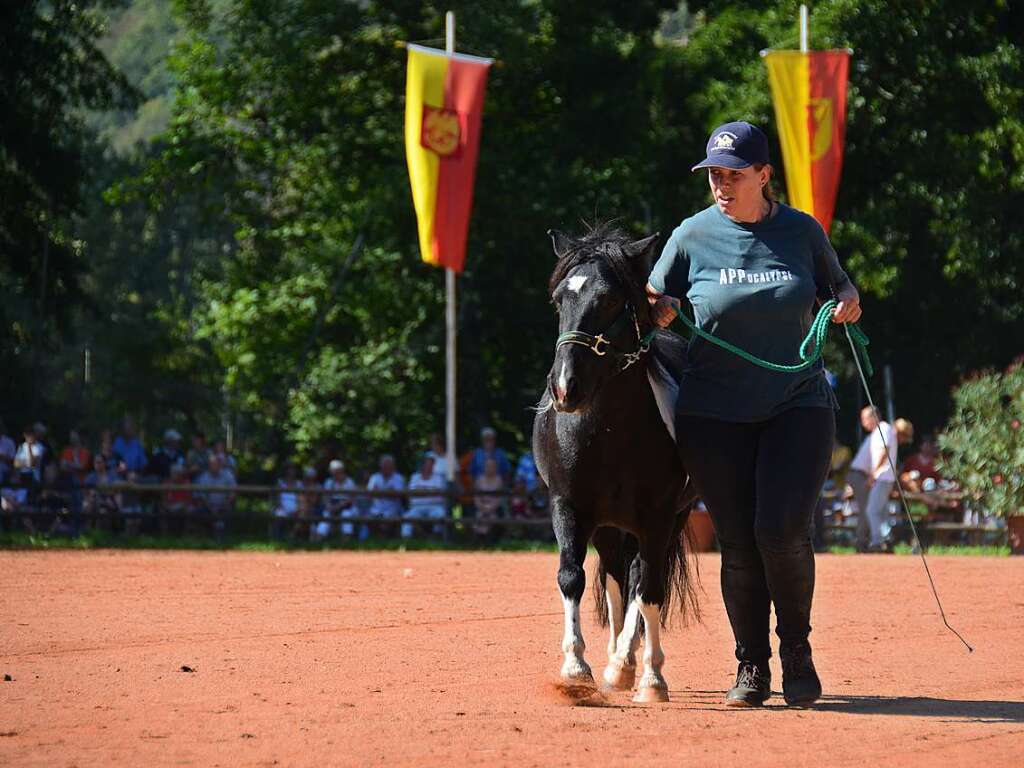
(753, 686)
(800, 683)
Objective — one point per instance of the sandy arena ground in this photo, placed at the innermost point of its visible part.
(450, 659)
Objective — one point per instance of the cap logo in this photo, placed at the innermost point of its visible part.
(724, 142)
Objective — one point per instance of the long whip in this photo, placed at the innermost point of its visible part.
(903, 497)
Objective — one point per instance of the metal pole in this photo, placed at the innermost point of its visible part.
(449, 284)
(890, 394)
(803, 28)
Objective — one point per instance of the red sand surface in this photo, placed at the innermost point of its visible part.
(451, 659)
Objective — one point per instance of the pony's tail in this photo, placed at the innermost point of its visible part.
(600, 588)
(682, 576)
(626, 552)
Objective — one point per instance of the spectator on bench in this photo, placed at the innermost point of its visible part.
(198, 458)
(220, 449)
(488, 508)
(287, 508)
(76, 459)
(216, 503)
(167, 456)
(338, 505)
(309, 505)
(103, 506)
(385, 508)
(919, 472)
(13, 498)
(7, 451)
(425, 507)
(177, 504)
(128, 449)
(30, 455)
(489, 450)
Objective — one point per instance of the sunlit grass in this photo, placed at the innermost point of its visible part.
(103, 540)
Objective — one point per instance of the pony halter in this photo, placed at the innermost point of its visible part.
(600, 345)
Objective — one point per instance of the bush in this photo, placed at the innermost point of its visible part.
(983, 445)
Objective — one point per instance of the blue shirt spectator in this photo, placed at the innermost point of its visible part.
(526, 471)
(128, 449)
(489, 450)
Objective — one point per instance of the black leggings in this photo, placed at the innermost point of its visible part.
(760, 483)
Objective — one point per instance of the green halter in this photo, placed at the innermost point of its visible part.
(594, 343)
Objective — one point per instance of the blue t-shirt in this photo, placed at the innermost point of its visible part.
(131, 452)
(755, 286)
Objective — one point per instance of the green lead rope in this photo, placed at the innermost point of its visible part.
(810, 349)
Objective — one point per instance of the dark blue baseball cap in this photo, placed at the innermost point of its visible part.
(735, 145)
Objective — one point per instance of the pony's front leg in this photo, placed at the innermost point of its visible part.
(572, 545)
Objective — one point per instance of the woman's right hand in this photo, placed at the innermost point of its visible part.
(664, 311)
(663, 308)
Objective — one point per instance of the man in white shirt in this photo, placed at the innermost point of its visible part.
(338, 504)
(425, 507)
(30, 455)
(389, 507)
(871, 478)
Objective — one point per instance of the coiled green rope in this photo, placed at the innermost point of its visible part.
(810, 349)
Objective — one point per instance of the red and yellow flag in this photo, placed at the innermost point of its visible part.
(444, 101)
(809, 91)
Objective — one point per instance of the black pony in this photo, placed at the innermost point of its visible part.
(608, 458)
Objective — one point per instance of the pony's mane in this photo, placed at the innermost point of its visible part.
(605, 243)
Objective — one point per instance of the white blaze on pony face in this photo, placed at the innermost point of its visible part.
(563, 382)
(576, 282)
(574, 667)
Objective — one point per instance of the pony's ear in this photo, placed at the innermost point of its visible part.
(641, 247)
(560, 241)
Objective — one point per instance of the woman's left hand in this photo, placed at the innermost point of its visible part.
(848, 310)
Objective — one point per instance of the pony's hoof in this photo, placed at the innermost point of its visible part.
(651, 694)
(619, 678)
(577, 673)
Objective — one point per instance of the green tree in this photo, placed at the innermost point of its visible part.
(51, 71)
(983, 444)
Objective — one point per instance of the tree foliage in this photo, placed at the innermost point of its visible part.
(50, 71)
(256, 262)
(983, 444)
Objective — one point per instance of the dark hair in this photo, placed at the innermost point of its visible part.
(767, 190)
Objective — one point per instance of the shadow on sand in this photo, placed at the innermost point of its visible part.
(951, 710)
(976, 711)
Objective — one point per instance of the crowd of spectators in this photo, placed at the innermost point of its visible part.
(486, 490)
(104, 487)
(110, 488)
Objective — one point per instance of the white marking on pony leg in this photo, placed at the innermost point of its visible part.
(575, 667)
(652, 686)
(613, 596)
(621, 670)
(576, 282)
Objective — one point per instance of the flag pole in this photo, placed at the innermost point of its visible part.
(803, 28)
(449, 283)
